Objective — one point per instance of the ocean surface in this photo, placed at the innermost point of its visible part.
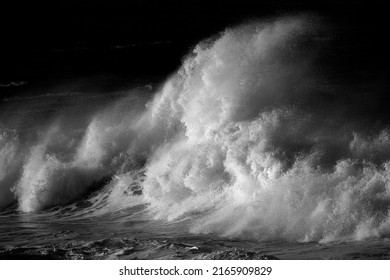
(255, 148)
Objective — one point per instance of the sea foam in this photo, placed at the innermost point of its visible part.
(247, 139)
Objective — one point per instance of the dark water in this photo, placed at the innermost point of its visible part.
(257, 147)
(127, 235)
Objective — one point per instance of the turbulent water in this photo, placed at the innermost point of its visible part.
(249, 150)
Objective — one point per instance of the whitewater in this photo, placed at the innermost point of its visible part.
(248, 150)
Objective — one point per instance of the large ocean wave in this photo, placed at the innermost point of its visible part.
(247, 139)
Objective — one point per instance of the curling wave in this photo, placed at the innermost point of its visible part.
(259, 151)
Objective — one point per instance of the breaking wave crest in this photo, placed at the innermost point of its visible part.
(244, 140)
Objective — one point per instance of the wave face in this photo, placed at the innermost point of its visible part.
(8, 164)
(248, 139)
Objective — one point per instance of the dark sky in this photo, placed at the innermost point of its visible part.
(67, 38)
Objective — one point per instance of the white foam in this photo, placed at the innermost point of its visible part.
(247, 156)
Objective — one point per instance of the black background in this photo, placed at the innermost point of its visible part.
(43, 41)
